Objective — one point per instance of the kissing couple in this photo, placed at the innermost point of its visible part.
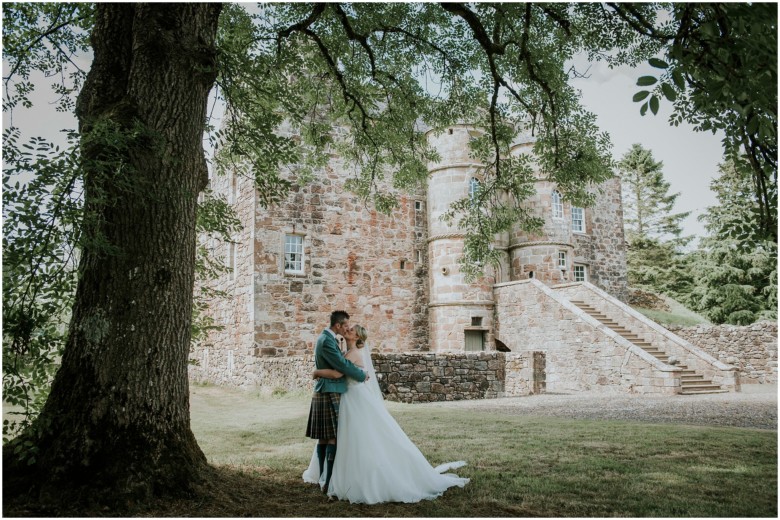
(375, 461)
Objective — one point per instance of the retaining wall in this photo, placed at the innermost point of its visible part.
(751, 348)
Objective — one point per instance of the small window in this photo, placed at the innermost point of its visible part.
(473, 188)
(234, 262)
(403, 264)
(233, 187)
(562, 260)
(580, 273)
(230, 260)
(293, 254)
(476, 321)
(475, 341)
(417, 205)
(530, 274)
(557, 204)
(578, 220)
(419, 256)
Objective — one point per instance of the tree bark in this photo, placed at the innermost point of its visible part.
(117, 420)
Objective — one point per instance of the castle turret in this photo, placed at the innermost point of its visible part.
(460, 313)
(548, 253)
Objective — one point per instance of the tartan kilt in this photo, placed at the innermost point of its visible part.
(323, 415)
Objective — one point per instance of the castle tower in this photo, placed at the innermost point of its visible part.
(548, 253)
(460, 313)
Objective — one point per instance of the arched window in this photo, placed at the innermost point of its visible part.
(473, 188)
(557, 204)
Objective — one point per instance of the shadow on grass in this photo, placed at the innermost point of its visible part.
(229, 491)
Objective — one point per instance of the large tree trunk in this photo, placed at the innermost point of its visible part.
(117, 420)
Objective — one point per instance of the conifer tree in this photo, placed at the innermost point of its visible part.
(647, 203)
(735, 276)
(653, 231)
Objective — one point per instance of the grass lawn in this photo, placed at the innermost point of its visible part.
(678, 314)
(518, 465)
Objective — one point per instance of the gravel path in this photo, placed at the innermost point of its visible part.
(745, 410)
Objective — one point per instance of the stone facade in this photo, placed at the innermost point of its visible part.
(396, 274)
(412, 377)
(751, 348)
(581, 355)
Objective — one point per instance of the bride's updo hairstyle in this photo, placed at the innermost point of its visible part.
(362, 335)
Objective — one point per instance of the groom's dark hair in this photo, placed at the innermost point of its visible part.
(338, 317)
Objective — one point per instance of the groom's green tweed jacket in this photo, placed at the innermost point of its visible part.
(328, 355)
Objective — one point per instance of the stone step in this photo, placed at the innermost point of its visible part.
(694, 392)
(691, 382)
(697, 386)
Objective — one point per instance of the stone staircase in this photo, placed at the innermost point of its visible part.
(690, 381)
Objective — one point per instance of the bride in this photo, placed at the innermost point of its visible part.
(375, 460)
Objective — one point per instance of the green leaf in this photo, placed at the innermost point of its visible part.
(643, 110)
(654, 104)
(645, 81)
(639, 96)
(752, 125)
(668, 91)
(658, 64)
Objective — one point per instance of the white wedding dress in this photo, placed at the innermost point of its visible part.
(375, 460)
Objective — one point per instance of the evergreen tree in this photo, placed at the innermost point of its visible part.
(647, 203)
(658, 266)
(652, 230)
(735, 276)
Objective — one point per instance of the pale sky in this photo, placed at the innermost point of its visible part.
(690, 158)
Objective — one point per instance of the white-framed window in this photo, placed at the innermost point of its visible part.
(293, 254)
(557, 204)
(580, 273)
(233, 188)
(473, 188)
(577, 220)
(234, 260)
(231, 259)
(562, 260)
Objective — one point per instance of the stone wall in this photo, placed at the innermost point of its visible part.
(266, 374)
(580, 353)
(413, 377)
(370, 264)
(608, 268)
(751, 348)
(674, 346)
(222, 352)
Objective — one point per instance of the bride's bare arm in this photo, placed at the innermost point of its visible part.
(327, 373)
(356, 358)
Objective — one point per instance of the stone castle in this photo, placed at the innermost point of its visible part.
(556, 293)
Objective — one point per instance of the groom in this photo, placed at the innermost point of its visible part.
(324, 412)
